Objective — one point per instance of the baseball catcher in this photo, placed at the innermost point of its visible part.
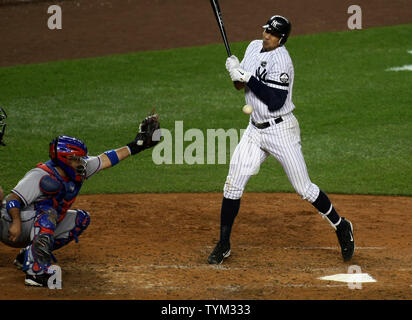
(36, 215)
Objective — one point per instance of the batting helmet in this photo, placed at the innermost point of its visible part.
(63, 149)
(279, 26)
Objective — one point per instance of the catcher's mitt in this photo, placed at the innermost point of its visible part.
(148, 136)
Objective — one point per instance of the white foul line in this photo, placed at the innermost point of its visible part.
(333, 248)
(406, 67)
(308, 248)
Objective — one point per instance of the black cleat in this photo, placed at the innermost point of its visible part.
(221, 251)
(37, 280)
(18, 262)
(344, 231)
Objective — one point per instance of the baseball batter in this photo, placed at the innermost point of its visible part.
(266, 73)
(36, 215)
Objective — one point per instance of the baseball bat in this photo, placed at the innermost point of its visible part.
(218, 16)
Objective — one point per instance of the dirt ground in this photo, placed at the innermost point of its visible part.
(155, 246)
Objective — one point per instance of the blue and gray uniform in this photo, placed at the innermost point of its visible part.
(43, 190)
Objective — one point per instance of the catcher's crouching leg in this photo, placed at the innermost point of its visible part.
(38, 256)
(77, 221)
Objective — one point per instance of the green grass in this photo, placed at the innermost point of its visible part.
(355, 118)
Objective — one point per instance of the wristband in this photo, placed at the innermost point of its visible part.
(113, 157)
(12, 204)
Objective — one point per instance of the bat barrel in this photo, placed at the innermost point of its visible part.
(219, 19)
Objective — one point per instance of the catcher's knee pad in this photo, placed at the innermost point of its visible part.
(81, 221)
(46, 221)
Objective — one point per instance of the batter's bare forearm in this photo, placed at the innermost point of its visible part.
(108, 159)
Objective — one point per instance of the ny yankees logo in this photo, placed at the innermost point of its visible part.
(261, 74)
(275, 24)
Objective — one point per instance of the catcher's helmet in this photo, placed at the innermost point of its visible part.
(3, 116)
(65, 148)
(279, 26)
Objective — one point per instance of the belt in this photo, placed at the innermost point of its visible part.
(265, 125)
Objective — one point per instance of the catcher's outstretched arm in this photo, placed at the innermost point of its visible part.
(147, 137)
(113, 157)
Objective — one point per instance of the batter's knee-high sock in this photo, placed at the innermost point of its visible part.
(228, 213)
(326, 209)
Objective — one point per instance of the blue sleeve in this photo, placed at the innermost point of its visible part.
(274, 98)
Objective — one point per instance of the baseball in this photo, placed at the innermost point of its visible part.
(247, 109)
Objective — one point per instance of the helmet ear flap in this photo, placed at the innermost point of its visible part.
(53, 149)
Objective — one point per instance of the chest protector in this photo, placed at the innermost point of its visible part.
(61, 192)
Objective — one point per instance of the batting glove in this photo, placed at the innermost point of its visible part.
(232, 62)
(238, 74)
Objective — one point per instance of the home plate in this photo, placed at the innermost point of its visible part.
(349, 277)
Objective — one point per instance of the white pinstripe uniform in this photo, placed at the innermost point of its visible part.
(282, 140)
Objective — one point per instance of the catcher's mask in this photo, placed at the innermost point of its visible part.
(64, 150)
(3, 116)
(280, 27)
